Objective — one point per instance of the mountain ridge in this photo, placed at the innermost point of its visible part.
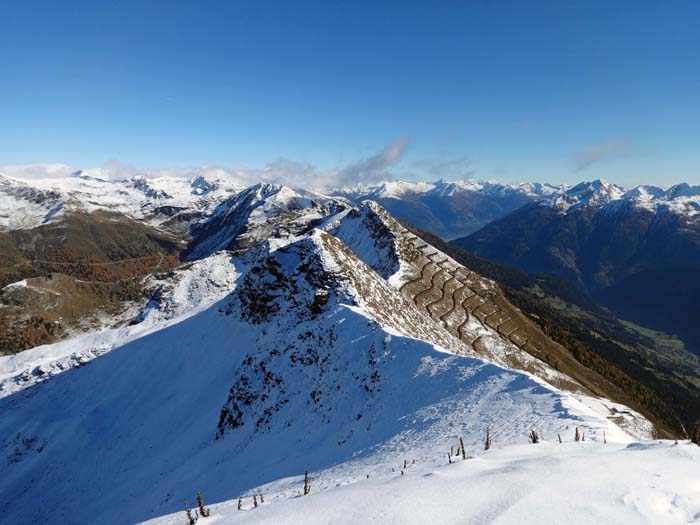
(342, 393)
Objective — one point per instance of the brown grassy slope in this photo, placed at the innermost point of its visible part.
(80, 267)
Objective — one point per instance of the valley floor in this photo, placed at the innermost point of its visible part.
(575, 483)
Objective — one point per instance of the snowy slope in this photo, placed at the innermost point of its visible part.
(250, 370)
(26, 204)
(184, 293)
(581, 483)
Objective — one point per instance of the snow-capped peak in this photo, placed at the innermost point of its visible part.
(596, 193)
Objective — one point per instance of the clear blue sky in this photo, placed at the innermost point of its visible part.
(556, 91)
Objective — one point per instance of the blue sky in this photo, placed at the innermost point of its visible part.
(554, 91)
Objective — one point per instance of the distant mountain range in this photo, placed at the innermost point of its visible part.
(457, 209)
(450, 209)
(637, 251)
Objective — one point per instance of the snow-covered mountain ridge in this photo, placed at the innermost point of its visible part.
(29, 203)
(304, 334)
(160, 200)
(680, 198)
(298, 356)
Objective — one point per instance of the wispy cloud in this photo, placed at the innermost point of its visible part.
(586, 157)
(373, 169)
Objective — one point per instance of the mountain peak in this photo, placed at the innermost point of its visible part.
(591, 193)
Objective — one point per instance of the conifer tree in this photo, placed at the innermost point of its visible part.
(577, 435)
(240, 503)
(487, 443)
(461, 445)
(255, 501)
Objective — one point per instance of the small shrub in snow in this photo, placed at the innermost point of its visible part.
(191, 520)
(577, 435)
(559, 436)
(449, 457)
(255, 501)
(307, 485)
(240, 503)
(200, 503)
(461, 445)
(487, 442)
(534, 438)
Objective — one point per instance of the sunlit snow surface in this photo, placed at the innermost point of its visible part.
(572, 483)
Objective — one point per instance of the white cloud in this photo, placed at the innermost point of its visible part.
(373, 169)
(281, 171)
(37, 170)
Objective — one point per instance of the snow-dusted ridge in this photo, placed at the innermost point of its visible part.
(26, 204)
(682, 199)
(291, 356)
(398, 189)
(156, 198)
(301, 337)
